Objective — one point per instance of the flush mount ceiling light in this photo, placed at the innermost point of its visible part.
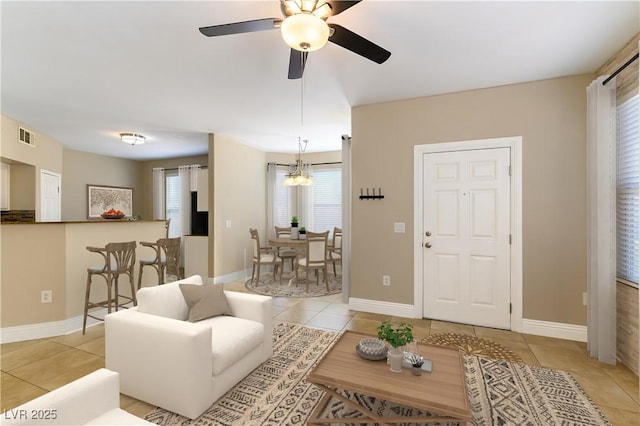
(132, 138)
(305, 32)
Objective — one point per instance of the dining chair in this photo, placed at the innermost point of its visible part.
(263, 256)
(119, 259)
(166, 259)
(286, 252)
(316, 257)
(334, 253)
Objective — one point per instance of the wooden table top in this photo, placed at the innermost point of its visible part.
(286, 242)
(443, 391)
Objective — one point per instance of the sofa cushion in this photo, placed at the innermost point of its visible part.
(231, 339)
(205, 301)
(118, 417)
(166, 300)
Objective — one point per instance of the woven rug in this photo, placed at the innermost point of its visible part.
(500, 392)
(270, 287)
(472, 345)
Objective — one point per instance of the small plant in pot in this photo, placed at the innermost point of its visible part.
(294, 228)
(416, 364)
(396, 336)
(302, 232)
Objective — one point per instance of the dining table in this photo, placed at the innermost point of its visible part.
(298, 245)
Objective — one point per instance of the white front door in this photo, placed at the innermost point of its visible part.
(49, 196)
(466, 240)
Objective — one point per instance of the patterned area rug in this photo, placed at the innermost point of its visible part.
(271, 287)
(500, 392)
(275, 393)
(473, 345)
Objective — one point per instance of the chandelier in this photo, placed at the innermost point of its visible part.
(298, 176)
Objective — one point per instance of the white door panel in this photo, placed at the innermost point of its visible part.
(49, 196)
(466, 236)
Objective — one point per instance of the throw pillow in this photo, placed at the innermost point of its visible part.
(205, 301)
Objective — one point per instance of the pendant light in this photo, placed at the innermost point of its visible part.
(298, 176)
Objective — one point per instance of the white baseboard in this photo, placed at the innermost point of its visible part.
(47, 329)
(555, 329)
(234, 276)
(379, 307)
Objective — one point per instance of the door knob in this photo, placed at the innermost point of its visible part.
(428, 233)
(427, 245)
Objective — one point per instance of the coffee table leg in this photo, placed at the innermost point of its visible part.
(369, 416)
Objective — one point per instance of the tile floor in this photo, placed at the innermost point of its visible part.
(31, 368)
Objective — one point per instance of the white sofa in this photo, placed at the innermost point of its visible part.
(91, 400)
(184, 366)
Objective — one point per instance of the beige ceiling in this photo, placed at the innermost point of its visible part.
(84, 71)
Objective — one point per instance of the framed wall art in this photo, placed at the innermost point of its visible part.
(104, 198)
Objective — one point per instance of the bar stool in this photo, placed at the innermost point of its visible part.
(119, 258)
(167, 258)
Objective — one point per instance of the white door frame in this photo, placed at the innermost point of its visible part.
(515, 145)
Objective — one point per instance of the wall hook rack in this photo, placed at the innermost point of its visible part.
(373, 196)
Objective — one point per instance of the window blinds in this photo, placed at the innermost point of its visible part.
(627, 185)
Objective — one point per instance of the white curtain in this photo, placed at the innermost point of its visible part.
(159, 211)
(601, 193)
(271, 199)
(306, 203)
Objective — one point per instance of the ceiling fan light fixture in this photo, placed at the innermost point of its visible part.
(132, 138)
(305, 32)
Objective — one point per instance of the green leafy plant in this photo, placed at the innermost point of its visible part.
(294, 221)
(303, 230)
(395, 335)
(416, 360)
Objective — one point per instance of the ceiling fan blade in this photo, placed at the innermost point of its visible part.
(339, 6)
(358, 44)
(297, 61)
(241, 27)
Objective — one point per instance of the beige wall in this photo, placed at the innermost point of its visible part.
(22, 182)
(239, 191)
(46, 154)
(44, 256)
(550, 115)
(83, 168)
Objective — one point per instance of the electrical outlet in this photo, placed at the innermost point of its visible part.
(46, 296)
(386, 280)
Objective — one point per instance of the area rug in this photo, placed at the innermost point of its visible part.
(270, 287)
(472, 345)
(275, 393)
(500, 392)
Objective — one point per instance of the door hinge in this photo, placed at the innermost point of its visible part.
(510, 239)
(509, 169)
(510, 308)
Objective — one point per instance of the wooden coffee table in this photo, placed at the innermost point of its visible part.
(442, 392)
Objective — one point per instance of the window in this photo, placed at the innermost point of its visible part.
(172, 188)
(326, 199)
(627, 184)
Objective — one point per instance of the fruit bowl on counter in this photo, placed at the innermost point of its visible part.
(112, 214)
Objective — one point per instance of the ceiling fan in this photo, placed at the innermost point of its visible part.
(304, 29)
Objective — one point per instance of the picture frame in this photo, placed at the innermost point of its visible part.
(103, 198)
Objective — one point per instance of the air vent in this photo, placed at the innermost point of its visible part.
(26, 136)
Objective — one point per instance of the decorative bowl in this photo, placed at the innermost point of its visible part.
(371, 349)
(112, 216)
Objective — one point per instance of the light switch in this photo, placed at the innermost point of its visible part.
(227, 223)
(398, 227)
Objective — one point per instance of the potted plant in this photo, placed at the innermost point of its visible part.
(294, 228)
(416, 364)
(302, 232)
(397, 336)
